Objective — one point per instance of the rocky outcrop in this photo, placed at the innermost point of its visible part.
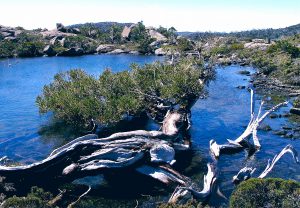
(7, 31)
(134, 52)
(60, 27)
(261, 46)
(71, 52)
(57, 39)
(117, 51)
(160, 52)
(49, 51)
(156, 35)
(126, 31)
(105, 48)
(295, 111)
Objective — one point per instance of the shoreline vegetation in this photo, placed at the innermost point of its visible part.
(165, 92)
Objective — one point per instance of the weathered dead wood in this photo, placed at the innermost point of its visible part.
(182, 194)
(89, 155)
(244, 174)
(247, 172)
(82, 195)
(287, 149)
(242, 141)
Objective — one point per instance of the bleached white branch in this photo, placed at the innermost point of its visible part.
(288, 149)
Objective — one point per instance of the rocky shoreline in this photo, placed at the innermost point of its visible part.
(70, 41)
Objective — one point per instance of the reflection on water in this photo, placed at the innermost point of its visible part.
(26, 136)
(225, 114)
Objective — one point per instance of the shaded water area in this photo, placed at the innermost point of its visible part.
(26, 136)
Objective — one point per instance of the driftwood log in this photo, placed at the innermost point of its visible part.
(147, 152)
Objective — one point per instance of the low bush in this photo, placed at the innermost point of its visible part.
(77, 97)
(270, 192)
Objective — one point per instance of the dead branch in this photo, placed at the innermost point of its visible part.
(242, 141)
(247, 172)
(244, 174)
(287, 149)
(182, 194)
(82, 195)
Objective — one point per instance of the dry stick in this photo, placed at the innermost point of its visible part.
(56, 199)
(288, 149)
(246, 172)
(82, 195)
(251, 129)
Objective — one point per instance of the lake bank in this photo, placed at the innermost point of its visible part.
(221, 116)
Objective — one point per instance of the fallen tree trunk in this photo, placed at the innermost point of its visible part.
(143, 151)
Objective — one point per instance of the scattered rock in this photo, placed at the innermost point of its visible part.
(287, 127)
(56, 39)
(273, 115)
(134, 52)
(60, 27)
(285, 115)
(10, 38)
(117, 51)
(244, 72)
(295, 111)
(105, 48)
(71, 52)
(289, 135)
(74, 30)
(49, 51)
(156, 35)
(241, 87)
(261, 46)
(264, 127)
(296, 135)
(160, 52)
(126, 31)
(280, 132)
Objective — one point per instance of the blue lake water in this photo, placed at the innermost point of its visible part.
(223, 115)
(22, 80)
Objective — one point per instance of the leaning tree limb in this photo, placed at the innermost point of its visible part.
(242, 141)
(247, 172)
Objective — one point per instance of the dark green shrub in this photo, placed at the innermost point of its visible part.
(284, 46)
(270, 192)
(37, 198)
(223, 50)
(7, 48)
(77, 97)
(184, 44)
(78, 41)
(236, 46)
(138, 33)
(30, 49)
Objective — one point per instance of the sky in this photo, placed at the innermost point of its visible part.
(184, 15)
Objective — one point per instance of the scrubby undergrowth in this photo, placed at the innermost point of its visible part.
(270, 192)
